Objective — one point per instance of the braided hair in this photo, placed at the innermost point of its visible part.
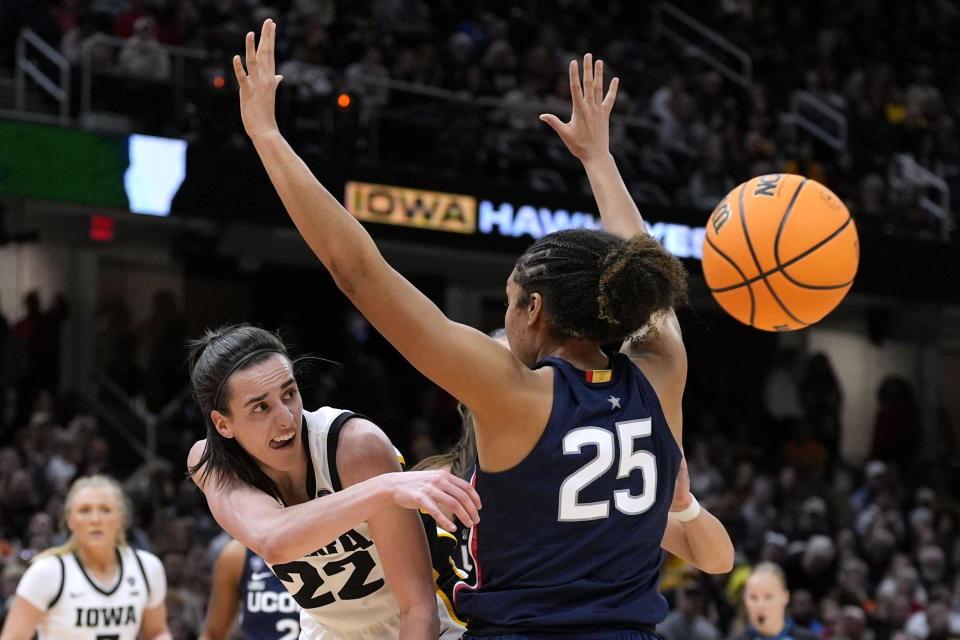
(597, 285)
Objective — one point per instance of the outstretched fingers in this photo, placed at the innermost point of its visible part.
(265, 51)
(576, 90)
(611, 96)
(588, 80)
(238, 70)
(598, 81)
(250, 53)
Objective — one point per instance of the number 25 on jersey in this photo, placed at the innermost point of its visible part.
(628, 432)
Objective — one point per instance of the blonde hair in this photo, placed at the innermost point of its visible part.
(91, 482)
(774, 570)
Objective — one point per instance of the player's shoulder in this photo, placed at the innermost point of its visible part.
(362, 442)
(151, 563)
(46, 565)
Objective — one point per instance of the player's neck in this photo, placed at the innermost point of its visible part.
(100, 562)
(293, 483)
(583, 354)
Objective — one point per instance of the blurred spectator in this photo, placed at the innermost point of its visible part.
(853, 624)
(766, 597)
(142, 55)
(937, 621)
(711, 181)
(897, 431)
(803, 450)
(686, 621)
(822, 398)
(781, 389)
(160, 339)
(66, 14)
(40, 332)
(125, 24)
(803, 611)
(74, 44)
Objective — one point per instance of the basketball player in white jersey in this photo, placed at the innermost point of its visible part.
(312, 493)
(95, 586)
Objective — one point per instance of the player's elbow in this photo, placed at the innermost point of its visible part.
(718, 563)
(272, 548)
(275, 553)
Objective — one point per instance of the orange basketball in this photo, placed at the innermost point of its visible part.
(780, 252)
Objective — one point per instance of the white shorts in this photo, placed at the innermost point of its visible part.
(385, 629)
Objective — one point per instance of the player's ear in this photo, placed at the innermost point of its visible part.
(534, 308)
(221, 424)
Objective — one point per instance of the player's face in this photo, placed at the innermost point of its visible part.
(95, 518)
(766, 601)
(265, 410)
(519, 337)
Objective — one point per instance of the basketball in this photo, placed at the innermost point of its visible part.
(780, 252)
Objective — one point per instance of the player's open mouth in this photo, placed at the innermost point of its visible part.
(281, 442)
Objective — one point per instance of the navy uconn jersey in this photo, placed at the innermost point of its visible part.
(267, 610)
(570, 537)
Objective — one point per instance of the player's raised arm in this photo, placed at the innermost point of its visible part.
(660, 351)
(467, 363)
(587, 136)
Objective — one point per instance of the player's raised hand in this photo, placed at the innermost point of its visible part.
(587, 134)
(439, 493)
(258, 84)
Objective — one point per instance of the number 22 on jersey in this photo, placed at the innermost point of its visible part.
(628, 432)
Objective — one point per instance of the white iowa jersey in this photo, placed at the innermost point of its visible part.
(79, 608)
(341, 587)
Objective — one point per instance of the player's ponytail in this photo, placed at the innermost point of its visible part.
(639, 279)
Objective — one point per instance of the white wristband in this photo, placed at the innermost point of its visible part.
(689, 513)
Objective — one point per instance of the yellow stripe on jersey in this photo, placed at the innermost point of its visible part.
(446, 603)
(599, 375)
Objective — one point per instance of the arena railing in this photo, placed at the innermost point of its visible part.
(905, 172)
(129, 420)
(686, 31)
(34, 57)
(818, 118)
(496, 111)
(183, 77)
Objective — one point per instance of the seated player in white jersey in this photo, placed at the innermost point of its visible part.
(578, 446)
(318, 495)
(244, 584)
(94, 586)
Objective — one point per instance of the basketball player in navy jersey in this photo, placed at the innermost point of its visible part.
(578, 448)
(244, 584)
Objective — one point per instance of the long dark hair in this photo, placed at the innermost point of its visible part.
(598, 285)
(213, 359)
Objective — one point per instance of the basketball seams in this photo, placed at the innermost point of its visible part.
(739, 270)
(808, 252)
(783, 222)
(782, 268)
(756, 261)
